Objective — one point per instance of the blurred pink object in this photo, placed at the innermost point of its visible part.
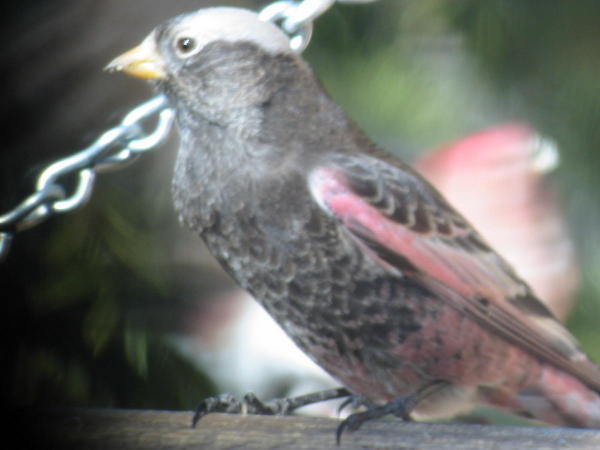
(496, 178)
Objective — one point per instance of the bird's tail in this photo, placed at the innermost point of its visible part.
(560, 399)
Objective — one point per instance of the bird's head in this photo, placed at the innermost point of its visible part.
(234, 81)
(213, 55)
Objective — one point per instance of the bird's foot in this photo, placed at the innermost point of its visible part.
(400, 407)
(355, 401)
(251, 404)
(227, 403)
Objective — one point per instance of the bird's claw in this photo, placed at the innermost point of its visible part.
(400, 407)
(355, 402)
(249, 404)
(354, 421)
(224, 403)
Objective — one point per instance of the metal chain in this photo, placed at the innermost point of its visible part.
(115, 148)
(297, 18)
(118, 146)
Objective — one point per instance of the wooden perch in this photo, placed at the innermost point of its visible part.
(135, 429)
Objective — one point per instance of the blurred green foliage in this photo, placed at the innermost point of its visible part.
(96, 321)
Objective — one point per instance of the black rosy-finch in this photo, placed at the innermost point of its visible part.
(359, 259)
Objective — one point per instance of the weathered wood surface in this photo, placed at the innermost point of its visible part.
(134, 429)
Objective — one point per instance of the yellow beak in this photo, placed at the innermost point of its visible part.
(143, 61)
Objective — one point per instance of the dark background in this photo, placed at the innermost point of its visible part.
(90, 297)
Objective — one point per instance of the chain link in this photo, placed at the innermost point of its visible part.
(115, 148)
(296, 17)
(121, 145)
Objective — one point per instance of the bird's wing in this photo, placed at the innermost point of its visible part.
(407, 226)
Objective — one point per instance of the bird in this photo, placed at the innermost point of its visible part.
(360, 260)
(515, 207)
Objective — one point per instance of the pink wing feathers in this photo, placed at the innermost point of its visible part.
(405, 224)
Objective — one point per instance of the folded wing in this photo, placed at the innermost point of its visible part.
(406, 225)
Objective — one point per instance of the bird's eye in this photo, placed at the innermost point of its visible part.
(186, 45)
